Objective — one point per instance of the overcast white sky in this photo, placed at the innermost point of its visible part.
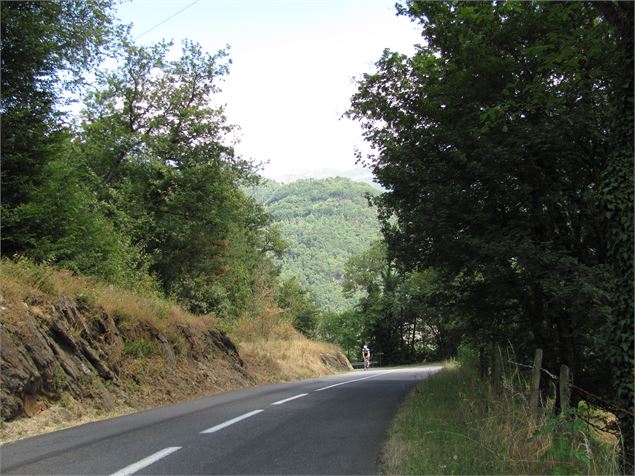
(293, 68)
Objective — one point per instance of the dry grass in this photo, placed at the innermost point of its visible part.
(274, 351)
(287, 359)
(24, 284)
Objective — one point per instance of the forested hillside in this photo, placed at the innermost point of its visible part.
(324, 222)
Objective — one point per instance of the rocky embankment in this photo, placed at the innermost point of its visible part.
(67, 347)
(56, 348)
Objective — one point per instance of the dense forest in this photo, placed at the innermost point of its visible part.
(324, 222)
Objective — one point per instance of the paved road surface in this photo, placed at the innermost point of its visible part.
(332, 425)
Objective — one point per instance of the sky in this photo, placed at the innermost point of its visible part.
(293, 68)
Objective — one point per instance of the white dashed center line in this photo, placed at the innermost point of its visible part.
(352, 381)
(139, 465)
(280, 402)
(153, 458)
(231, 422)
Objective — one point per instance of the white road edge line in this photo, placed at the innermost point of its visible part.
(280, 402)
(231, 422)
(153, 458)
(353, 381)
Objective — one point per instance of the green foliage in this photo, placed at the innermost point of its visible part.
(59, 377)
(398, 313)
(47, 47)
(141, 347)
(616, 191)
(323, 222)
(346, 329)
(503, 145)
(565, 449)
(146, 189)
(64, 223)
(299, 303)
(157, 146)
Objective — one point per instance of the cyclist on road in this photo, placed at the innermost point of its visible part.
(366, 357)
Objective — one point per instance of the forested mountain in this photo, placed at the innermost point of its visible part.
(324, 222)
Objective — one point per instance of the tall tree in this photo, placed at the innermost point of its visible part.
(399, 313)
(492, 141)
(616, 186)
(47, 47)
(158, 147)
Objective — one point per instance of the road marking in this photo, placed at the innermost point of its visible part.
(280, 402)
(352, 381)
(133, 468)
(231, 422)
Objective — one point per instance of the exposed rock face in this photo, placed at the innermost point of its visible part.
(336, 361)
(70, 347)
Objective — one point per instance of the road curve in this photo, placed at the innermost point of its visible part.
(332, 425)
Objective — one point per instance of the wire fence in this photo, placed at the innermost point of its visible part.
(592, 398)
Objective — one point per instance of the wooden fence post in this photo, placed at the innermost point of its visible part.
(565, 388)
(496, 368)
(534, 389)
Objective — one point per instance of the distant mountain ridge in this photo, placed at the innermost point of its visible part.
(324, 221)
(358, 174)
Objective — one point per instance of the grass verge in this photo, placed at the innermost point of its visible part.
(452, 423)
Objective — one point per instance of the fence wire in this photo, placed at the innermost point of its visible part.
(596, 399)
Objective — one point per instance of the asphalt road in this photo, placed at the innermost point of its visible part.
(333, 425)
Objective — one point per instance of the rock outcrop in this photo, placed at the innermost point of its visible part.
(336, 361)
(66, 346)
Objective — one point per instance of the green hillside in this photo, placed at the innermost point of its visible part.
(324, 221)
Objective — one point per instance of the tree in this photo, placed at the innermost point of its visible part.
(616, 189)
(158, 147)
(492, 141)
(47, 48)
(64, 223)
(299, 304)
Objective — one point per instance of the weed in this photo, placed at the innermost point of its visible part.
(59, 377)
(86, 299)
(64, 401)
(141, 347)
(38, 276)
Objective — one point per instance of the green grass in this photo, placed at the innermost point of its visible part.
(141, 347)
(453, 424)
